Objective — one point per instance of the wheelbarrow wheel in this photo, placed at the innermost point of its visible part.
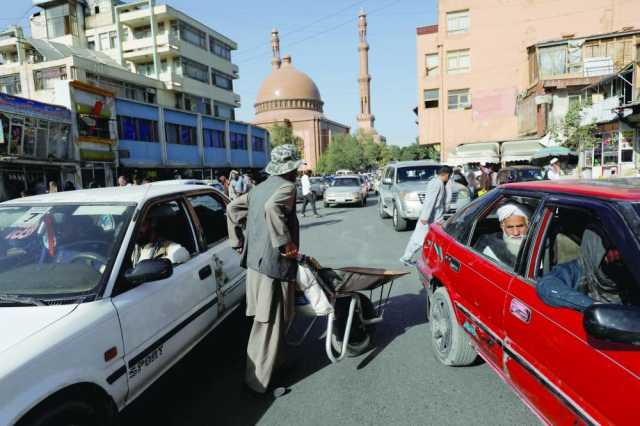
(361, 336)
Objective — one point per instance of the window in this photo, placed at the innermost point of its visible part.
(113, 37)
(61, 20)
(104, 41)
(193, 35)
(219, 48)
(431, 97)
(458, 61)
(212, 216)
(146, 68)
(90, 125)
(503, 241)
(576, 239)
(142, 32)
(180, 135)
(238, 141)
(195, 70)
(224, 111)
(460, 224)
(459, 99)
(221, 80)
(91, 43)
(10, 84)
(458, 22)
(137, 129)
(46, 78)
(432, 64)
(213, 138)
(196, 104)
(96, 10)
(553, 61)
(257, 144)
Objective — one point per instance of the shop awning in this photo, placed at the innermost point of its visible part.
(520, 150)
(481, 152)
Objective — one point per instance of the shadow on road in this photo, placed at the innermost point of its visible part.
(402, 313)
(320, 222)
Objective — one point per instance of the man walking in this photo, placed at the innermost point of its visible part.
(268, 243)
(433, 209)
(308, 194)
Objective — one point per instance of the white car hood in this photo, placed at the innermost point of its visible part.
(343, 189)
(18, 323)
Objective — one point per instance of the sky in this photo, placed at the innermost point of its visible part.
(322, 38)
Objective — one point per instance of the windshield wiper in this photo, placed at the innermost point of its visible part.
(22, 300)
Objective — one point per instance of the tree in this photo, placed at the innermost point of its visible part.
(570, 131)
(281, 134)
(344, 152)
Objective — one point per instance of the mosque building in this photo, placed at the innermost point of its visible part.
(290, 97)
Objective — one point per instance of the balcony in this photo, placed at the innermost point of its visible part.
(142, 48)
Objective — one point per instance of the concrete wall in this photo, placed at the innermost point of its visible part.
(498, 36)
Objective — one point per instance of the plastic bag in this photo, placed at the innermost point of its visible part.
(313, 293)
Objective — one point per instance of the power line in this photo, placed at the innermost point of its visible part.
(304, 27)
(318, 34)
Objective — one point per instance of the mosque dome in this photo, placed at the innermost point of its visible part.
(288, 88)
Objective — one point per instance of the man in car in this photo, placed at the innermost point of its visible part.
(579, 283)
(433, 209)
(151, 245)
(264, 228)
(504, 246)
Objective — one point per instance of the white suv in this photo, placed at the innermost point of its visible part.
(86, 325)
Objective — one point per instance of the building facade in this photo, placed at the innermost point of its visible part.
(145, 84)
(474, 67)
(290, 97)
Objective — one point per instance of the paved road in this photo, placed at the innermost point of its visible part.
(397, 383)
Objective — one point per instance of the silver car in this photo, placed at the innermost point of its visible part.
(346, 190)
(402, 190)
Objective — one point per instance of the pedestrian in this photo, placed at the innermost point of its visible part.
(433, 209)
(233, 176)
(308, 195)
(473, 184)
(486, 182)
(53, 187)
(554, 172)
(122, 181)
(137, 180)
(225, 184)
(247, 182)
(268, 244)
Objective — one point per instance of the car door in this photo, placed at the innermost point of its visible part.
(567, 376)
(160, 320)
(210, 213)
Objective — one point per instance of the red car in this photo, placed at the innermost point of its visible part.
(559, 320)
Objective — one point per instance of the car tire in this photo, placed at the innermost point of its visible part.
(399, 223)
(325, 204)
(72, 410)
(451, 344)
(383, 214)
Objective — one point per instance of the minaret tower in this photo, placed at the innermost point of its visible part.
(365, 119)
(275, 47)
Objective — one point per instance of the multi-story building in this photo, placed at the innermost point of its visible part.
(147, 85)
(474, 69)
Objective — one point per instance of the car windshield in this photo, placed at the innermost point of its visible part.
(57, 251)
(525, 175)
(346, 182)
(415, 174)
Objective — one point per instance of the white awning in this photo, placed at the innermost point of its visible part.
(481, 152)
(520, 150)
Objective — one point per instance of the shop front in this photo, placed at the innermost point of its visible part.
(615, 152)
(35, 147)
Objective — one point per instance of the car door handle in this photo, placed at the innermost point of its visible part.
(454, 264)
(520, 311)
(205, 272)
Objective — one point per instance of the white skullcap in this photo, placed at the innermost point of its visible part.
(554, 160)
(512, 209)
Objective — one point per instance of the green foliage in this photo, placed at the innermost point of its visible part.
(571, 132)
(359, 152)
(282, 134)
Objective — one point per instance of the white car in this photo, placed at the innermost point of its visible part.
(84, 332)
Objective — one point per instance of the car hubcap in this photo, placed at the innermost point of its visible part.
(441, 327)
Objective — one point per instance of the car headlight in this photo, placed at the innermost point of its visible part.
(356, 195)
(409, 196)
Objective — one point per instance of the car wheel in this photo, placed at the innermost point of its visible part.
(450, 342)
(68, 412)
(399, 223)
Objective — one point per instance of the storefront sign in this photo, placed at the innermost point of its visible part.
(33, 109)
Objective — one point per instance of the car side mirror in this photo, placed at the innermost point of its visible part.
(149, 270)
(613, 323)
(387, 181)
